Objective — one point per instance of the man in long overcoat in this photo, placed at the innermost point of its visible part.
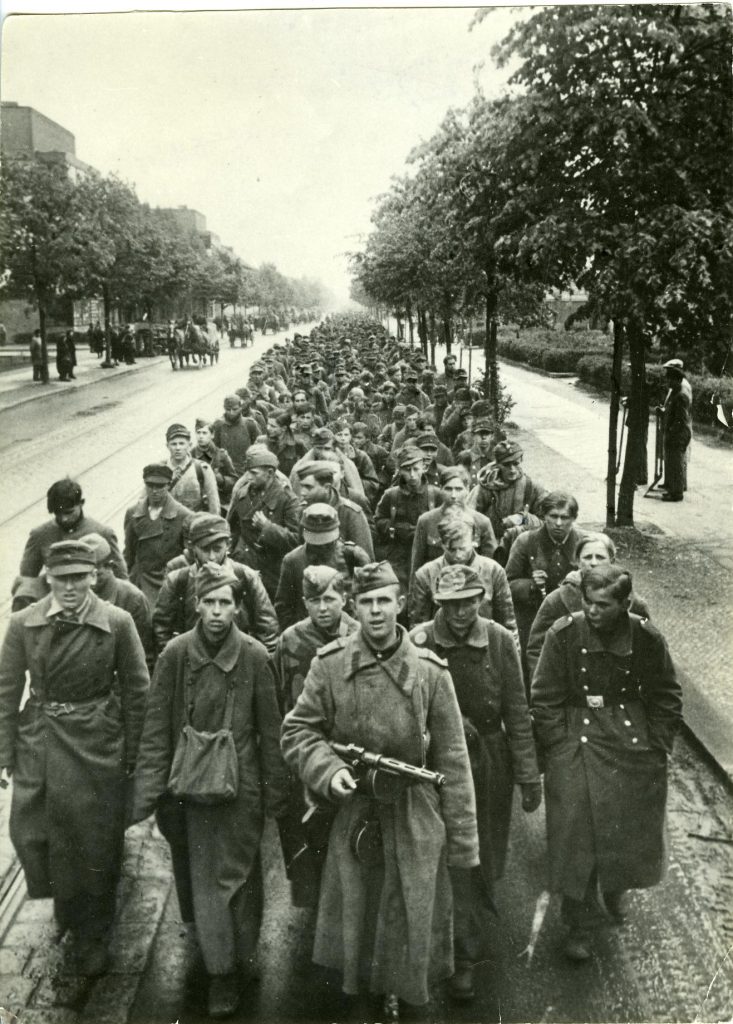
(154, 531)
(65, 502)
(677, 425)
(483, 661)
(386, 926)
(215, 848)
(72, 745)
(606, 705)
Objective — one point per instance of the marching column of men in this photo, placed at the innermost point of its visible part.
(354, 545)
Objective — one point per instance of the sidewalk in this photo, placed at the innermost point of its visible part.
(17, 386)
(681, 555)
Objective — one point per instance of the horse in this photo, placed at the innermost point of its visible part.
(242, 330)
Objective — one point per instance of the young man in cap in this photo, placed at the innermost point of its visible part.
(317, 482)
(209, 538)
(454, 416)
(409, 429)
(215, 847)
(439, 404)
(154, 531)
(435, 460)
(457, 533)
(282, 442)
(219, 460)
(121, 593)
(399, 509)
(193, 483)
(264, 518)
(606, 706)
(324, 599)
(364, 467)
(454, 494)
(324, 447)
(235, 432)
(677, 427)
(483, 661)
(323, 545)
(479, 449)
(377, 690)
(65, 502)
(505, 493)
(393, 426)
(70, 751)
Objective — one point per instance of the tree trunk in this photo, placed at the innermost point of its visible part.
(422, 331)
(618, 352)
(447, 334)
(431, 334)
(491, 383)
(107, 306)
(635, 463)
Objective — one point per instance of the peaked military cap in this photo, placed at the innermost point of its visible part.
(320, 524)
(206, 526)
(462, 395)
(157, 473)
(322, 435)
(427, 440)
(212, 576)
(373, 577)
(317, 466)
(70, 556)
(507, 451)
(63, 495)
(177, 430)
(259, 457)
(99, 546)
(455, 582)
(409, 455)
(482, 425)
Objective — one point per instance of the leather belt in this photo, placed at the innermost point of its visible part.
(55, 708)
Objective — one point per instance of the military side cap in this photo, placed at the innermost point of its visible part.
(317, 466)
(462, 395)
(63, 495)
(412, 376)
(202, 423)
(206, 526)
(99, 546)
(398, 410)
(674, 364)
(70, 556)
(481, 408)
(212, 576)
(234, 401)
(373, 577)
(440, 389)
(455, 582)
(177, 430)
(322, 435)
(409, 455)
(157, 473)
(412, 410)
(483, 425)
(320, 524)
(259, 457)
(461, 372)
(318, 578)
(428, 374)
(507, 451)
(427, 440)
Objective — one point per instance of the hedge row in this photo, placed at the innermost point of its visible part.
(554, 351)
(596, 370)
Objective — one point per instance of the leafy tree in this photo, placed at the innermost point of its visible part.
(622, 152)
(44, 233)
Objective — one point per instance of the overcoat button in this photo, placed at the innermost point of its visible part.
(583, 739)
(634, 739)
(586, 721)
(627, 722)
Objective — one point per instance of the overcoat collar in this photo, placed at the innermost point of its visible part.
(97, 615)
(477, 636)
(225, 658)
(401, 667)
(619, 642)
(168, 511)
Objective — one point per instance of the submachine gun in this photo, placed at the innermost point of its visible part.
(381, 777)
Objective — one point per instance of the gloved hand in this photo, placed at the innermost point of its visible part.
(531, 796)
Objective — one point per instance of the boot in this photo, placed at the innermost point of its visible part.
(223, 995)
(461, 984)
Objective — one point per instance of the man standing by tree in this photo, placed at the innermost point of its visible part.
(677, 425)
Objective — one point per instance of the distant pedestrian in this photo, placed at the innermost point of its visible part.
(677, 425)
(36, 346)
(66, 357)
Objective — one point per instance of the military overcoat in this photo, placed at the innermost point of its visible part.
(395, 928)
(605, 715)
(70, 757)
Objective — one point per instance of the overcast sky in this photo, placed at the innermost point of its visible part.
(281, 127)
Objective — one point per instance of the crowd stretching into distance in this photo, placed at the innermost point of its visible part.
(344, 603)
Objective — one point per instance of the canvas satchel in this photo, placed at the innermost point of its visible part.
(205, 768)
